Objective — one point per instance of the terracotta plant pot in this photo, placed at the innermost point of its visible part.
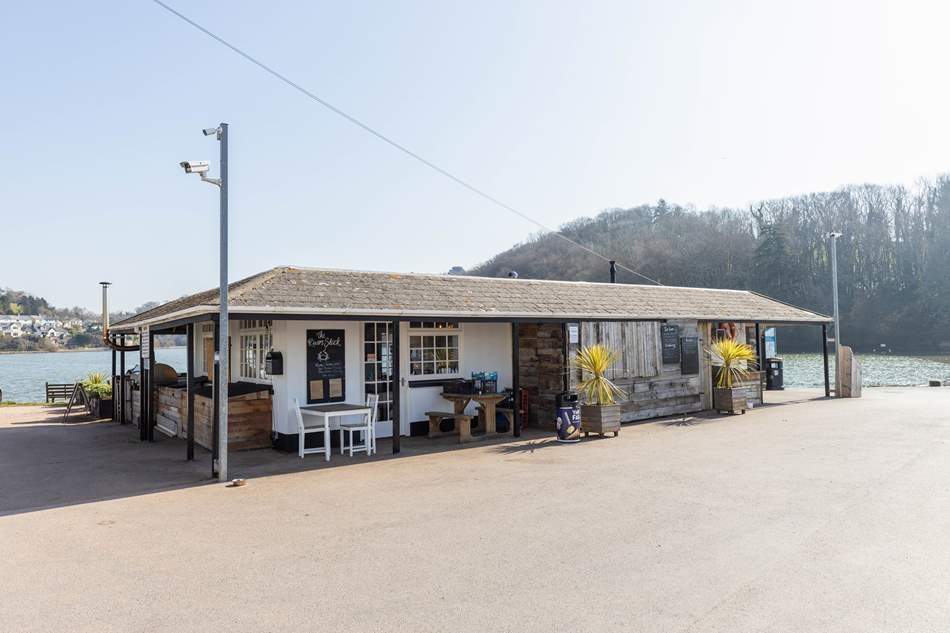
(600, 419)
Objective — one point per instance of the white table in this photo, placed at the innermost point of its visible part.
(327, 413)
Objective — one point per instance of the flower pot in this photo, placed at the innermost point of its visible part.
(601, 419)
(729, 400)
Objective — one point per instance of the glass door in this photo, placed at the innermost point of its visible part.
(377, 369)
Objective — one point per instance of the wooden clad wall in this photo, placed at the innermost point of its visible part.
(653, 389)
(249, 421)
(542, 369)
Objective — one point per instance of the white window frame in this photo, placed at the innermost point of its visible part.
(453, 329)
(259, 332)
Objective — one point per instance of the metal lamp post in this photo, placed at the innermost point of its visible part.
(834, 293)
(222, 356)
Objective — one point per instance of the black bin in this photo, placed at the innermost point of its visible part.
(774, 374)
(568, 424)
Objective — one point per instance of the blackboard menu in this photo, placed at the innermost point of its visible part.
(670, 340)
(326, 366)
(689, 363)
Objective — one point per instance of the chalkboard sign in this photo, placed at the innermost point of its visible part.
(326, 366)
(670, 340)
(689, 363)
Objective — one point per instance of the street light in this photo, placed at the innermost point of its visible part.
(834, 293)
(201, 168)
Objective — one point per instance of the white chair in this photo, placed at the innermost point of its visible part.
(365, 425)
(313, 425)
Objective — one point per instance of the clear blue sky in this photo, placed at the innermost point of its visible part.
(559, 108)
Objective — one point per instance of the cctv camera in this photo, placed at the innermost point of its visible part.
(208, 131)
(195, 166)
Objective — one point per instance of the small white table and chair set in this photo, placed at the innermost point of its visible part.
(351, 420)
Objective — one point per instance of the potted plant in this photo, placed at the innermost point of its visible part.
(735, 362)
(600, 412)
(98, 395)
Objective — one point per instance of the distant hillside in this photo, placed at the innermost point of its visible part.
(893, 261)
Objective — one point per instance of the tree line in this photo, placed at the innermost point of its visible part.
(893, 257)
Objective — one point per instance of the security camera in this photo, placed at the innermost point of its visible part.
(208, 131)
(195, 166)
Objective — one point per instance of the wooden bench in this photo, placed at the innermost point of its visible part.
(57, 390)
(463, 424)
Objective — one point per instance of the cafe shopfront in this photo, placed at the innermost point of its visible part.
(301, 336)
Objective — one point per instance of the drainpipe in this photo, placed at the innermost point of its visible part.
(613, 271)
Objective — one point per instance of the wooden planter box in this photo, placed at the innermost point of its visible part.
(600, 419)
(729, 400)
(99, 408)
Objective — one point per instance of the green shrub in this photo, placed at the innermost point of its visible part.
(96, 386)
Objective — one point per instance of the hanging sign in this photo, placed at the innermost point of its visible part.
(145, 343)
(670, 341)
(689, 362)
(326, 366)
(771, 341)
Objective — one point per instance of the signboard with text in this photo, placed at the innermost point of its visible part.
(326, 366)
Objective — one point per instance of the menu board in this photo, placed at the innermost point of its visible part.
(326, 366)
(670, 340)
(689, 362)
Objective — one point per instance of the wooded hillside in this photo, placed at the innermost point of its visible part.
(893, 261)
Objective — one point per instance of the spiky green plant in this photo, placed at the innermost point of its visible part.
(737, 361)
(96, 385)
(595, 361)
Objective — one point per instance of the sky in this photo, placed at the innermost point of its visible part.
(560, 109)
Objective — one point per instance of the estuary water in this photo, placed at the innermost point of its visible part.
(23, 376)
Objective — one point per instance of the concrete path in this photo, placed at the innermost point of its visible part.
(819, 515)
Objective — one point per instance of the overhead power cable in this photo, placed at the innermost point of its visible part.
(393, 143)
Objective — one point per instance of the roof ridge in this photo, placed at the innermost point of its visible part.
(506, 279)
(254, 281)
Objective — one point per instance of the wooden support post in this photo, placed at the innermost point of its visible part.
(824, 354)
(151, 388)
(760, 356)
(515, 378)
(122, 419)
(190, 387)
(397, 385)
(115, 413)
(216, 397)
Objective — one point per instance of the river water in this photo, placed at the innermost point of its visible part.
(23, 376)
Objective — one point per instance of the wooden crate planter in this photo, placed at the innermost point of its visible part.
(729, 400)
(100, 407)
(600, 419)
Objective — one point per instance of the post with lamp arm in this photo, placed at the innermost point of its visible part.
(222, 356)
(834, 235)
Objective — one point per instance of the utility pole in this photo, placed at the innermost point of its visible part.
(837, 316)
(222, 359)
(223, 347)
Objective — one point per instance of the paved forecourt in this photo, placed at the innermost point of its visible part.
(818, 515)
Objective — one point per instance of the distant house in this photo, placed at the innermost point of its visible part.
(11, 329)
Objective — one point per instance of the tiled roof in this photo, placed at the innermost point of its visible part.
(377, 294)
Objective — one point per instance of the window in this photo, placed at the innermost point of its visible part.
(433, 325)
(255, 343)
(377, 366)
(433, 353)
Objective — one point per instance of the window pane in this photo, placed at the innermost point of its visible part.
(440, 341)
(415, 369)
(415, 354)
(428, 354)
(369, 332)
(415, 341)
(453, 354)
(370, 371)
(428, 341)
(428, 368)
(453, 341)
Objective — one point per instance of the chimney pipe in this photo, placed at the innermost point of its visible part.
(613, 271)
(105, 307)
